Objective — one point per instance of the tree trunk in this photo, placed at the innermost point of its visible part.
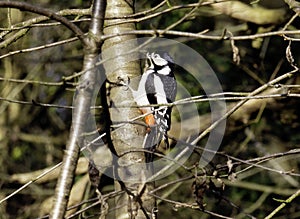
(128, 168)
(82, 103)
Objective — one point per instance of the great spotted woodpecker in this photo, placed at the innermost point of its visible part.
(157, 86)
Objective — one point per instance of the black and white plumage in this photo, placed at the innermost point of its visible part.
(157, 86)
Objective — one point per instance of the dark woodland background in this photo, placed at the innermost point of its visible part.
(33, 135)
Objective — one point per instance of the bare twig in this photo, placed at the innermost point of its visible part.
(46, 12)
(239, 104)
(284, 203)
(203, 35)
(30, 182)
(49, 45)
(294, 5)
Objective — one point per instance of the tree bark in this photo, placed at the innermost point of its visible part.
(135, 203)
(82, 103)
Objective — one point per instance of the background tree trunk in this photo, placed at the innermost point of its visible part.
(82, 103)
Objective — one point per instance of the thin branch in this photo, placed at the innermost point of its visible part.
(168, 10)
(187, 15)
(208, 98)
(239, 104)
(145, 12)
(12, 80)
(49, 45)
(237, 10)
(265, 159)
(177, 204)
(203, 35)
(190, 100)
(95, 201)
(294, 5)
(40, 19)
(46, 12)
(30, 182)
(255, 162)
(26, 25)
(284, 203)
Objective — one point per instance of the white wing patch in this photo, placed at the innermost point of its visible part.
(162, 99)
(159, 90)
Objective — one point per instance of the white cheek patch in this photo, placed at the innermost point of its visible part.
(165, 70)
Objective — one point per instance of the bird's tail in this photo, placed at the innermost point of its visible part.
(151, 142)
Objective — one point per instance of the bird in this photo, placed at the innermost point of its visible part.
(157, 86)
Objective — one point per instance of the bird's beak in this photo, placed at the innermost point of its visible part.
(149, 60)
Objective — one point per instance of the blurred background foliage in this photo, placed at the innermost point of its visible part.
(33, 136)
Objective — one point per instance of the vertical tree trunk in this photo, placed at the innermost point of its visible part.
(135, 203)
(82, 103)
